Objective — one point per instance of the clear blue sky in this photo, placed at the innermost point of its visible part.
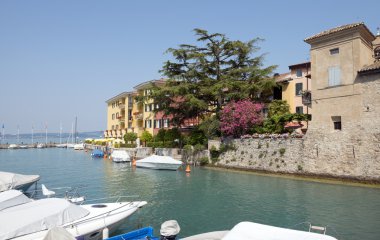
(61, 59)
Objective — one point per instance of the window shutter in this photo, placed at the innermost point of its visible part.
(337, 76)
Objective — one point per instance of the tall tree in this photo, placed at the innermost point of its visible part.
(204, 77)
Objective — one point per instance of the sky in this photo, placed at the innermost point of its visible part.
(63, 59)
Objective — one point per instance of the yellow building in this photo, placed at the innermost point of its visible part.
(294, 84)
(296, 88)
(125, 114)
(119, 115)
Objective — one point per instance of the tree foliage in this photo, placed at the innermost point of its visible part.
(204, 77)
(130, 137)
(238, 118)
(278, 107)
(278, 116)
(146, 136)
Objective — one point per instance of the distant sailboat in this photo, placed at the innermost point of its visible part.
(71, 145)
(61, 145)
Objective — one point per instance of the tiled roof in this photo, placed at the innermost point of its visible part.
(375, 67)
(337, 29)
(283, 77)
(300, 64)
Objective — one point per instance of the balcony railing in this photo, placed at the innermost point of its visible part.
(122, 106)
(138, 115)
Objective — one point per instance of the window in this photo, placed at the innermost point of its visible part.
(148, 123)
(117, 115)
(334, 76)
(157, 123)
(117, 127)
(299, 72)
(334, 51)
(298, 89)
(129, 125)
(113, 116)
(112, 127)
(166, 123)
(337, 120)
(299, 110)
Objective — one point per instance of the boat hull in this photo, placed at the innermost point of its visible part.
(158, 166)
(91, 227)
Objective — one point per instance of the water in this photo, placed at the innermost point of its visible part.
(207, 200)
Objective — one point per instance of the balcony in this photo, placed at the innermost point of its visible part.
(138, 115)
(121, 118)
(122, 106)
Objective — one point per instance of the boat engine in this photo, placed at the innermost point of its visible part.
(169, 230)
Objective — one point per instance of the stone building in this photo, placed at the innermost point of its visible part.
(344, 137)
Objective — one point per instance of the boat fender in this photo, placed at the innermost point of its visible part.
(105, 233)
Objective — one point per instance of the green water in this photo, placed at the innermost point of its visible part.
(208, 199)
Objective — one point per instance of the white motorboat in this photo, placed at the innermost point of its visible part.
(250, 230)
(79, 146)
(21, 182)
(159, 162)
(13, 146)
(70, 145)
(32, 220)
(61, 145)
(41, 145)
(11, 198)
(120, 156)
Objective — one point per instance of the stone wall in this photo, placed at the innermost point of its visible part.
(273, 155)
(353, 152)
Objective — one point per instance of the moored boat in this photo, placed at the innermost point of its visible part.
(159, 163)
(97, 153)
(21, 182)
(243, 230)
(33, 220)
(120, 156)
(79, 146)
(13, 146)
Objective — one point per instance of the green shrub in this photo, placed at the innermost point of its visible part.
(127, 145)
(116, 145)
(203, 161)
(282, 151)
(214, 154)
(300, 168)
(261, 155)
(227, 147)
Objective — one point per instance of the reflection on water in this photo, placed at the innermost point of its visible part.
(206, 200)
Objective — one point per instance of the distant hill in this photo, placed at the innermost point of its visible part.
(82, 135)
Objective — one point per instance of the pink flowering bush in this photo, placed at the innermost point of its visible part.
(237, 118)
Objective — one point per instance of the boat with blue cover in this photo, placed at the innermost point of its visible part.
(139, 234)
(97, 153)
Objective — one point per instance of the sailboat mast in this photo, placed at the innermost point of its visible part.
(46, 133)
(72, 132)
(32, 135)
(60, 133)
(18, 134)
(76, 134)
(2, 135)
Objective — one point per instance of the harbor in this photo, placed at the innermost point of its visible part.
(206, 199)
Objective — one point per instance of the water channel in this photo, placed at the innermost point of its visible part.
(207, 199)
